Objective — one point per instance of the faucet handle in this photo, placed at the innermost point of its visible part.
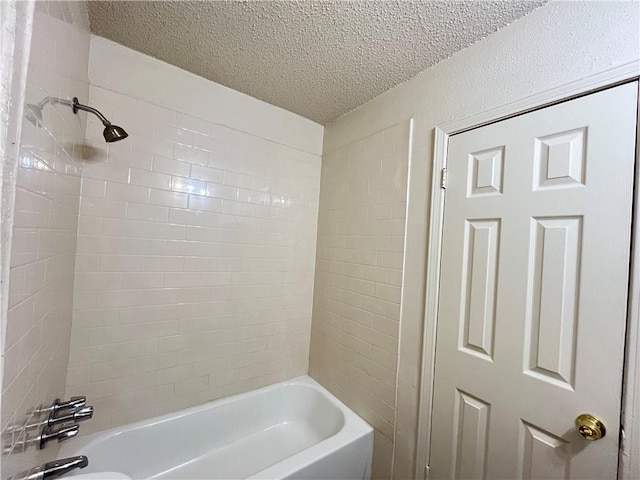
(64, 433)
(85, 413)
(57, 405)
(80, 415)
(72, 403)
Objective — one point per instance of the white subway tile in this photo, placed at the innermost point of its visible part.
(197, 202)
(110, 370)
(170, 166)
(142, 280)
(84, 263)
(222, 191)
(84, 319)
(237, 179)
(153, 146)
(200, 264)
(144, 246)
(156, 363)
(196, 279)
(236, 208)
(395, 277)
(104, 99)
(205, 142)
(97, 281)
(104, 171)
(99, 244)
(393, 311)
(192, 385)
(144, 314)
(120, 154)
(134, 383)
(139, 348)
(189, 154)
(146, 178)
(99, 207)
(169, 199)
(121, 263)
(93, 188)
(123, 228)
(151, 213)
(187, 185)
(78, 375)
(163, 264)
(166, 231)
(389, 260)
(128, 193)
(192, 123)
(155, 113)
(206, 173)
(186, 217)
(173, 134)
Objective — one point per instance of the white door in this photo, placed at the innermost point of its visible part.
(533, 300)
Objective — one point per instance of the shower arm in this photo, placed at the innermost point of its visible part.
(75, 106)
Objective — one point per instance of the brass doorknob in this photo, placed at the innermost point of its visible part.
(590, 427)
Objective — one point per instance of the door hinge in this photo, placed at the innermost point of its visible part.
(443, 178)
(426, 472)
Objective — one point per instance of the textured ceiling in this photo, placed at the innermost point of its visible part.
(318, 59)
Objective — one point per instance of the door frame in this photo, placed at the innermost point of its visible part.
(628, 72)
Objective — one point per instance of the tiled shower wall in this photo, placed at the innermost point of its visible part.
(44, 224)
(356, 310)
(195, 263)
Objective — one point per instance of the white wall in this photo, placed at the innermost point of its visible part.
(43, 224)
(556, 44)
(196, 242)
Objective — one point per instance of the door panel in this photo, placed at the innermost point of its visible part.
(533, 292)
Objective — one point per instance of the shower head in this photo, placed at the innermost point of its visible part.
(111, 133)
(114, 133)
(34, 113)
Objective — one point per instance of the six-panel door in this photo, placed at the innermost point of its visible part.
(532, 308)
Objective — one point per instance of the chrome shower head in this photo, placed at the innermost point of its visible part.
(34, 113)
(114, 133)
(111, 133)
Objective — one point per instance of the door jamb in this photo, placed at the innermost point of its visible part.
(628, 466)
(606, 79)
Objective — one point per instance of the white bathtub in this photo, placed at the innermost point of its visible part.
(294, 429)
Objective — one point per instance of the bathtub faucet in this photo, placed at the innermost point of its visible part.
(54, 469)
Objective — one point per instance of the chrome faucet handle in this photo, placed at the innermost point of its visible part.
(74, 402)
(80, 415)
(65, 433)
(71, 404)
(85, 413)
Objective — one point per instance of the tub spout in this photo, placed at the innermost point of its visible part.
(54, 469)
(57, 468)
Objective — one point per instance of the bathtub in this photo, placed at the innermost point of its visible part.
(294, 429)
